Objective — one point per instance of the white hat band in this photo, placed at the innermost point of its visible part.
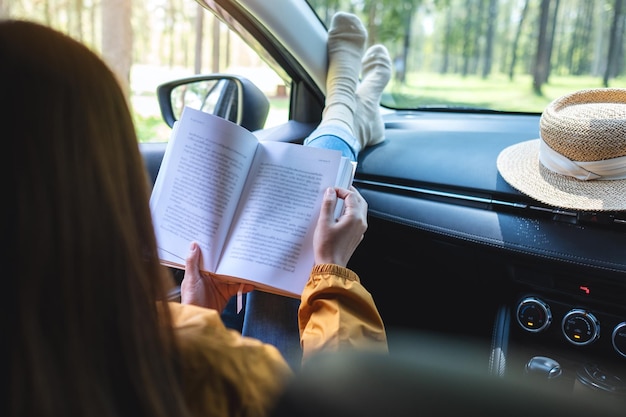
(606, 169)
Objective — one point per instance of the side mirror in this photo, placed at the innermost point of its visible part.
(232, 97)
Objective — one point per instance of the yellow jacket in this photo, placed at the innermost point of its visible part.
(227, 374)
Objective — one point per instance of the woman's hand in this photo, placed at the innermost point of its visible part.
(336, 240)
(203, 289)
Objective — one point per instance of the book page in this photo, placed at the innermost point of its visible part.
(198, 186)
(272, 237)
(347, 168)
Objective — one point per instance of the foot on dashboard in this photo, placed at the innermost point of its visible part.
(369, 128)
(346, 44)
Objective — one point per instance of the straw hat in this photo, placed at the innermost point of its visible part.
(579, 162)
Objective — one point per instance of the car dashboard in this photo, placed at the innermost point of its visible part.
(452, 248)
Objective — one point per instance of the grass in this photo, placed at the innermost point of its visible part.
(496, 92)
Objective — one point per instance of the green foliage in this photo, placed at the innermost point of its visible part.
(151, 128)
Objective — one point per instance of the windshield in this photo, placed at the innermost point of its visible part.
(499, 55)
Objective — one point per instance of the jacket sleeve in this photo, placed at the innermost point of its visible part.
(223, 372)
(337, 313)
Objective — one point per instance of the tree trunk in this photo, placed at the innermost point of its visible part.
(215, 48)
(614, 40)
(550, 42)
(468, 40)
(77, 20)
(541, 55)
(197, 64)
(517, 38)
(117, 39)
(447, 40)
(406, 43)
(491, 22)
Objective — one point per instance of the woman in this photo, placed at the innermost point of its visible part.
(89, 329)
(84, 336)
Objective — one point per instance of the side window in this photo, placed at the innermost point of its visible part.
(237, 58)
(252, 62)
(154, 55)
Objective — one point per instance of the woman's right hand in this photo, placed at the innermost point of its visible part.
(203, 289)
(335, 241)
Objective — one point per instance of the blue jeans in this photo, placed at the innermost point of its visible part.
(272, 318)
(333, 137)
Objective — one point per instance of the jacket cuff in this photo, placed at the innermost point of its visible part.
(333, 269)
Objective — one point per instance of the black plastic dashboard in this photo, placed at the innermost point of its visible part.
(438, 173)
(443, 220)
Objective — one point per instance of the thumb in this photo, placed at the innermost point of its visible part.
(329, 202)
(192, 262)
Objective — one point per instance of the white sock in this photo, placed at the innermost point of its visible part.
(346, 43)
(368, 122)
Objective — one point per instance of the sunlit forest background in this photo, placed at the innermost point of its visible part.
(540, 37)
(146, 42)
(513, 55)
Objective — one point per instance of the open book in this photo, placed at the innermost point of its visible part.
(251, 205)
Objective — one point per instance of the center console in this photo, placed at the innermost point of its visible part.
(565, 331)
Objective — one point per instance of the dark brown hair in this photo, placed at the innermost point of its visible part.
(82, 276)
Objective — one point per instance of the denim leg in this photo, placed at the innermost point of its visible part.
(273, 319)
(333, 137)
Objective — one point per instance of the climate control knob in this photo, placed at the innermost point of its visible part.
(580, 327)
(619, 338)
(533, 315)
